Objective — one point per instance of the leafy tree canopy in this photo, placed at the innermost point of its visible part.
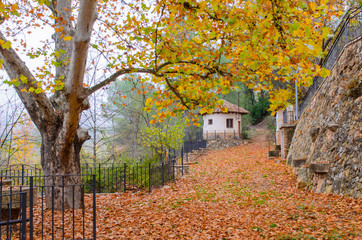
(193, 49)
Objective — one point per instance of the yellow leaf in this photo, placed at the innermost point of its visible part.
(67, 38)
(325, 73)
(6, 45)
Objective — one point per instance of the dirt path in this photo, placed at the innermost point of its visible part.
(235, 193)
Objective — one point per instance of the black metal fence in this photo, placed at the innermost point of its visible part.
(49, 207)
(349, 30)
(109, 178)
(161, 173)
(14, 218)
(226, 134)
(21, 170)
(190, 146)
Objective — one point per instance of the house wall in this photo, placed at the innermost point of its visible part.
(279, 119)
(219, 125)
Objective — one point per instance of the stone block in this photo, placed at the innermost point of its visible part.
(6, 182)
(178, 170)
(332, 126)
(297, 163)
(319, 167)
(275, 153)
(314, 133)
(302, 178)
(15, 196)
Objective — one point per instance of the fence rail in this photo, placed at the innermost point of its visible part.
(108, 178)
(226, 134)
(349, 30)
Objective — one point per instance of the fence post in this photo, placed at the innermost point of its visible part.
(149, 177)
(137, 175)
(215, 134)
(99, 178)
(163, 174)
(234, 133)
(224, 134)
(124, 176)
(22, 174)
(31, 202)
(23, 215)
(182, 161)
(113, 178)
(94, 209)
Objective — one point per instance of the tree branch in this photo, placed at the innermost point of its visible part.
(38, 105)
(117, 74)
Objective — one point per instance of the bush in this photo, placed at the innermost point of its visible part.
(259, 111)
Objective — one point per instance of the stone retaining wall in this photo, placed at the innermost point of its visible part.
(287, 136)
(224, 143)
(327, 143)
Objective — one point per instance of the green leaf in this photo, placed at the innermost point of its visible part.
(38, 90)
(23, 78)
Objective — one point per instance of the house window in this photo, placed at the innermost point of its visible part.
(229, 123)
(210, 121)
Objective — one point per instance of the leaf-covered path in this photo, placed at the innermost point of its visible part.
(236, 193)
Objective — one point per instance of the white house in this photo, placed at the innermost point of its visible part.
(224, 124)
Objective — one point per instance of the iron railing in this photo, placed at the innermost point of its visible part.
(58, 207)
(14, 218)
(190, 146)
(226, 134)
(109, 178)
(349, 30)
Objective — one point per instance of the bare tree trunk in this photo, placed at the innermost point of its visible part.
(62, 173)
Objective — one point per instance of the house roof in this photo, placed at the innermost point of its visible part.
(231, 108)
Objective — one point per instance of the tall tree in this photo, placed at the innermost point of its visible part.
(125, 105)
(11, 112)
(181, 43)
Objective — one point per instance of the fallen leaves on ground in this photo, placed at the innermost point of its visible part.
(235, 193)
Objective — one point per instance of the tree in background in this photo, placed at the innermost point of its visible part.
(95, 150)
(24, 145)
(163, 136)
(19, 140)
(131, 133)
(125, 106)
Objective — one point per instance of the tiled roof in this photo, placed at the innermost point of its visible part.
(231, 108)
